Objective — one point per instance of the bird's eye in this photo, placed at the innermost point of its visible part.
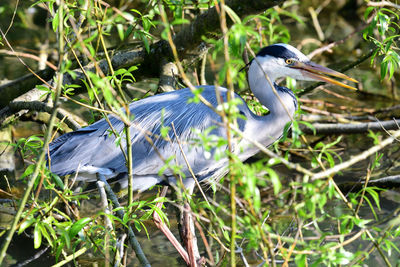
(289, 61)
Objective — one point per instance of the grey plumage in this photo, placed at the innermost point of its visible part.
(93, 150)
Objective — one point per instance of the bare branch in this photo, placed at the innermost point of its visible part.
(383, 3)
(349, 128)
(393, 180)
(20, 86)
(27, 55)
(357, 158)
(17, 106)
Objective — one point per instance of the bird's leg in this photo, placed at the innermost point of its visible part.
(165, 230)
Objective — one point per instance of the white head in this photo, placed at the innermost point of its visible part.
(281, 60)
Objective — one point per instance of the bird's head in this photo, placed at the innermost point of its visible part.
(281, 60)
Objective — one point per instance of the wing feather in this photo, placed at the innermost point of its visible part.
(94, 146)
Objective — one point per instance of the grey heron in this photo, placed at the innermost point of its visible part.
(92, 149)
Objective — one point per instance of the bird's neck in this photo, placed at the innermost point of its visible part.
(281, 104)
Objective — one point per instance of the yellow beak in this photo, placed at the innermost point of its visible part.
(320, 73)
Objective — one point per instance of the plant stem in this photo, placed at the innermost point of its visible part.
(129, 165)
(354, 159)
(71, 257)
(132, 238)
(233, 223)
(41, 157)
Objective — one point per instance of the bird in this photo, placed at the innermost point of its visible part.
(93, 149)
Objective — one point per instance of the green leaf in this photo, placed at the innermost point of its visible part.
(37, 236)
(384, 69)
(226, 235)
(180, 21)
(368, 11)
(55, 20)
(146, 43)
(391, 12)
(331, 189)
(126, 217)
(121, 32)
(136, 11)
(293, 16)
(115, 218)
(145, 229)
(25, 225)
(276, 182)
(361, 222)
(45, 233)
(374, 194)
(108, 95)
(301, 260)
(257, 199)
(330, 159)
(28, 171)
(235, 18)
(78, 226)
(138, 226)
(59, 182)
(366, 199)
(164, 131)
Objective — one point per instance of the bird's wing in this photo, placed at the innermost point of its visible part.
(185, 121)
(94, 146)
(84, 147)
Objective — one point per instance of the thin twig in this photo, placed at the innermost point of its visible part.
(34, 257)
(104, 204)
(48, 134)
(31, 56)
(120, 213)
(129, 163)
(205, 242)
(119, 255)
(71, 257)
(363, 190)
(317, 26)
(290, 165)
(357, 158)
(23, 62)
(13, 17)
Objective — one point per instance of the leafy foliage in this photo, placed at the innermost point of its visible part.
(282, 216)
(383, 32)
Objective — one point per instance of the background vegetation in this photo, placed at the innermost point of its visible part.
(326, 194)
